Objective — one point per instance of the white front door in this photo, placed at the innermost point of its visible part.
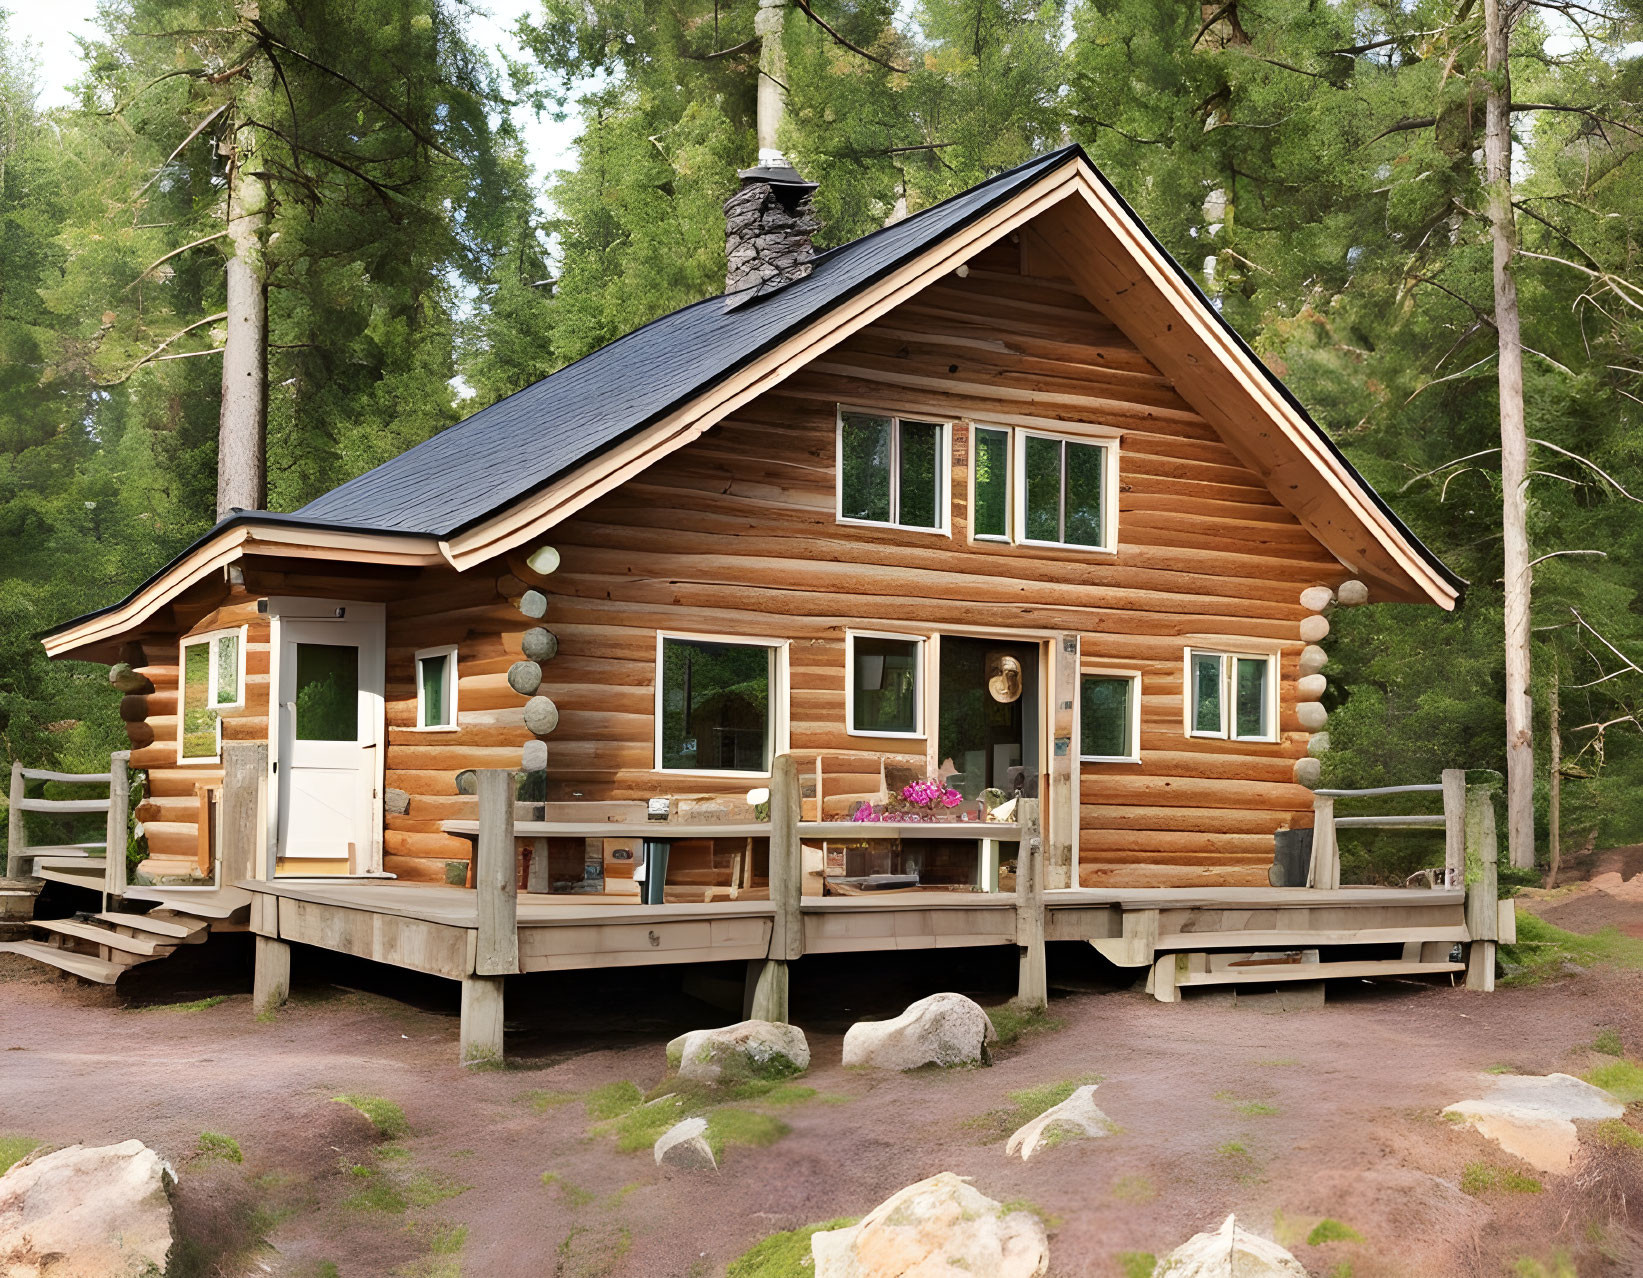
(329, 725)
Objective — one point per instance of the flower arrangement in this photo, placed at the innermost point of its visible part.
(920, 801)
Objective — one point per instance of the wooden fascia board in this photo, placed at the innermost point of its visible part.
(534, 515)
(1132, 259)
(224, 549)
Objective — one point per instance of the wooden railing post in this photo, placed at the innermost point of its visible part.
(496, 952)
(1482, 887)
(1326, 851)
(1454, 827)
(1033, 988)
(244, 811)
(17, 837)
(118, 826)
(767, 991)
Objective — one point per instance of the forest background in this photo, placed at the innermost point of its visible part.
(1316, 165)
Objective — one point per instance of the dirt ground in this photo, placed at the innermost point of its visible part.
(1282, 1117)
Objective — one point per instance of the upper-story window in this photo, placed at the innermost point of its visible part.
(893, 471)
(211, 679)
(1043, 489)
(1232, 695)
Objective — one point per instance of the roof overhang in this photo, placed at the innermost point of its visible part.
(240, 535)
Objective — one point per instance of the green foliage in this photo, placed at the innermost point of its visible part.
(1136, 1264)
(1012, 1021)
(384, 1115)
(1616, 1133)
(1330, 1230)
(1543, 950)
(1621, 1079)
(613, 1099)
(1608, 1042)
(783, 1255)
(1479, 1178)
(216, 1145)
(727, 1127)
(14, 1149)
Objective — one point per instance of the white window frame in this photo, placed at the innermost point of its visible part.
(921, 661)
(1102, 672)
(1109, 488)
(1007, 537)
(208, 637)
(449, 651)
(779, 710)
(944, 471)
(1228, 679)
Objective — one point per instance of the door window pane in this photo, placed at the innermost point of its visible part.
(327, 700)
(228, 669)
(1206, 693)
(1083, 494)
(920, 482)
(864, 446)
(1250, 709)
(990, 518)
(884, 685)
(716, 705)
(1043, 467)
(199, 719)
(433, 671)
(1105, 717)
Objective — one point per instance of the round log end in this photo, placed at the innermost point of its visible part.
(543, 560)
(1308, 772)
(1318, 745)
(1312, 715)
(1313, 659)
(541, 716)
(467, 781)
(1311, 687)
(1352, 593)
(396, 802)
(533, 603)
(1314, 628)
(540, 644)
(534, 757)
(525, 677)
(1317, 598)
(128, 681)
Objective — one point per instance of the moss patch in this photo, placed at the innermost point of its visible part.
(1136, 1264)
(572, 1194)
(1330, 1230)
(542, 1101)
(638, 1126)
(613, 1099)
(197, 1005)
(726, 1127)
(1608, 1042)
(387, 1117)
(1134, 1189)
(782, 1255)
(1026, 1105)
(1621, 1079)
(1012, 1021)
(216, 1145)
(1479, 1178)
(1615, 1133)
(1542, 950)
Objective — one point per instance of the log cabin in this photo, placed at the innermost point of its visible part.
(992, 496)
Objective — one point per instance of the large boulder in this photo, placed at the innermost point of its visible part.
(684, 1145)
(86, 1213)
(1533, 1116)
(1074, 1118)
(938, 1228)
(735, 1053)
(1230, 1252)
(944, 1029)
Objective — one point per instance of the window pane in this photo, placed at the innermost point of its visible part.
(715, 705)
(433, 669)
(991, 515)
(1104, 717)
(1250, 702)
(327, 692)
(199, 719)
(864, 444)
(1206, 693)
(228, 669)
(1043, 466)
(920, 479)
(1084, 465)
(884, 685)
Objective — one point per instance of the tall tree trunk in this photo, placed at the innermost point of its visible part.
(1554, 807)
(1514, 444)
(242, 428)
(769, 24)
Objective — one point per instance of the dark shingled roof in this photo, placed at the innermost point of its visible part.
(524, 442)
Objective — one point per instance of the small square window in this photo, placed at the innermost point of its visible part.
(892, 471)
(436, 688)
(886, 685)
(1108, 717)
(1231, 695)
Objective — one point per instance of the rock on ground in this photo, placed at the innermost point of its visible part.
(684, 1145)
(1230, 1252)
(749, 1049)
(944, 1029)
(1533, 1116)
(86, 1213)
(939, 1228)
(1075, 1117)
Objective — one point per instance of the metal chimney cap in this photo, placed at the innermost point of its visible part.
(782, 175)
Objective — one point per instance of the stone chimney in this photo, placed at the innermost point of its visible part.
(768, 229)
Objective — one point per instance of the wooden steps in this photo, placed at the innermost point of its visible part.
(86, 873)
(205, 903)
(1261, 973)
(86, 966)
(143, 947)
(175, 931)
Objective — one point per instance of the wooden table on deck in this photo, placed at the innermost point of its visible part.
(658, 837)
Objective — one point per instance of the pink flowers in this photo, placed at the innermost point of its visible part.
(920, 801)
(930, 795)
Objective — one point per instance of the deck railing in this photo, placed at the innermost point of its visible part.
(21, 857)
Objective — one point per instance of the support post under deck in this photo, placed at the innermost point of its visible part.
(481, 1036)
(767, 981)
(271, 980)
(1482, 887)
(1033, 989)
